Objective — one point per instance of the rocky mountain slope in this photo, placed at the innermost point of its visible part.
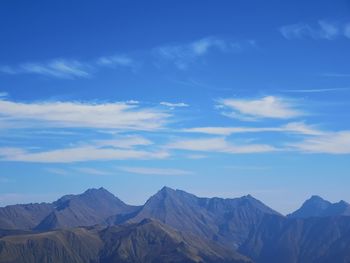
(228, 221)
(311, 240)
(146, 242)
(89, 208)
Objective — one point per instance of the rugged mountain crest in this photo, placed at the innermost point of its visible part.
(318, 207)
(173, 226)
(223, 220)
(89, 208)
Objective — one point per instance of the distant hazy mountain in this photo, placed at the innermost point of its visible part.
(228, 221)
(23, 216)
(146, 242)
(311, 240)
(318, 207)
(89, 208)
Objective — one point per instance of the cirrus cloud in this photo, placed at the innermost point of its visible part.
(293, 127)
(253, 109)
(67, 68)
(155, 171)
(182, 55)
(78, 154)
(331, 143)
(113, 115)
(218, 144)
(173, 105)
(322, 30)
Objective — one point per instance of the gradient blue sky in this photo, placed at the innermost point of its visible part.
(218, 98)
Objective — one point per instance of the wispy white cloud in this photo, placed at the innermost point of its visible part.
(58, 68)
(328, 30)
(155, 171)
(196, 156)
(67, 68)
(117, 60)
(125, 142)
(132, 102)
(293, 127)
(218, 144)
(57, 171)
(331, 143)
(91, 171)
(78, 154)
(315, 90)
(301, 128)
(117, 115)
(174, 105)
(125, 147)
(11, 151)
(184, 54)
(322, 30)
(76, 170)
(265, 107)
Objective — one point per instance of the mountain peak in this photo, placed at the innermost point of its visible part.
(167, 192)
(344, 203)
(167, 189)
(96, 190)
(314, 206)
(248, 197)
(316, 198)
(89, 193)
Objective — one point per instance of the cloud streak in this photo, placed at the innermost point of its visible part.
(127, 147)
(116, 60)
(182, 55)
(330, 143)
(315, 90)
(253, 109)
(155, 171)
(218, 144)
(174, 105)
(116, 115)
(67, 68)
(293, 127)
(78, 154)
(91, 171)
(322, 30)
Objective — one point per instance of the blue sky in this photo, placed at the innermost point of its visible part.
(216, 98)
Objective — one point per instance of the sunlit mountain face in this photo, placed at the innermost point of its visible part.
(244, 105)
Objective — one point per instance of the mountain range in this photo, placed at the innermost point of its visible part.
(173, 226)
